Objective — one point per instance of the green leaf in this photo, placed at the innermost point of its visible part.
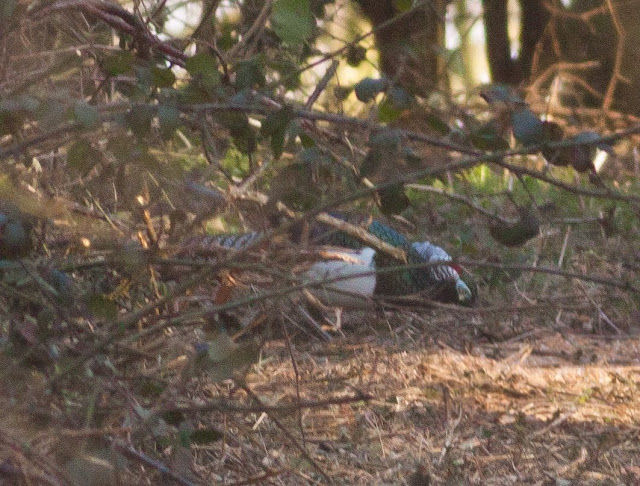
(527, 127)
(87, 115)
(397, 101)
(163, 78)
(355, 55)
(369, 88)
(387, 112)
(275, 126)
(295, 187)
(306, 141)
(82, 156)
(287, 67)
(138, 119)
(249, 75)
(169, 117)
(393, 200)
(119, 63)
(438, 124)
(238, 125)
(518, 233)
(244, 139)
(341, 92)
(173, 417)
(277, 121)
(292, 20)
(203, 68)
(102, 307)
(371, 162)
(488, 137)
(205, 436)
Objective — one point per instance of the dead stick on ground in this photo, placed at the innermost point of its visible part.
(293, 440)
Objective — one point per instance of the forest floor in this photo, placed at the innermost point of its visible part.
(550, 405)
(536, 385)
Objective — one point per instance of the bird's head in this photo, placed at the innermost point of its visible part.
(465, 296)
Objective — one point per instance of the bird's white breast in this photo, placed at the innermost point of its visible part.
(348, 291)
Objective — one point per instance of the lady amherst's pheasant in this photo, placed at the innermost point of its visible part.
(355, 272)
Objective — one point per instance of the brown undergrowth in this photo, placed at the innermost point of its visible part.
(412, 397)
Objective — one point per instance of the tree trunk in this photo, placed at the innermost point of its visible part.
(534, 18)
(409, 44)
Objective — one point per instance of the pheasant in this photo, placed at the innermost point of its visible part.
(438, 282)
(356, 272)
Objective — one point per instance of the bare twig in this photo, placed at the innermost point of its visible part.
(363, 235)
(257, 26)
(155, 464)
(284, 430)
(320, 87)
(459, 198)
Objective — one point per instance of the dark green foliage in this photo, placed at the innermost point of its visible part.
(121, 62)
(518, 233)
(250, 74)
(169, 117)
(437, 123)
(237, 123)
(82, 157)
(102, 307)
(275, 127)
(292, 20)
(527, 127)
(393, 200)
(162, 77)
(489, 136)
(138, 119)
(369, 88)
(203, 69)
(205, 436)
(385, 150)
(355, 55)
(294, 186)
